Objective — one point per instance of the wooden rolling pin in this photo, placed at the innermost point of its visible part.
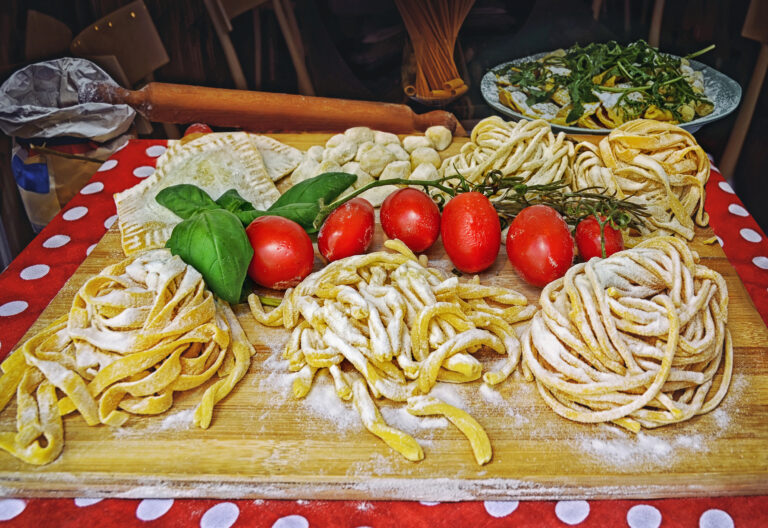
(264, 111)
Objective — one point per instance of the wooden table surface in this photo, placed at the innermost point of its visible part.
(262, 443)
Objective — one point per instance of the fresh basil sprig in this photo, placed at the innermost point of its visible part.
(212, 237)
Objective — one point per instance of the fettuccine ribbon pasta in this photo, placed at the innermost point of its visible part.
(137, 332)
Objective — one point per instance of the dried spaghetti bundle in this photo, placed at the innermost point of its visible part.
(433, 26)
(137, 332)
(636, 339)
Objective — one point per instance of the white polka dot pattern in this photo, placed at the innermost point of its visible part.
(155, 151)
(737, 210)
(121, 147)
(11, 508)
(715, 519)
(83, 502)
(643, 516)
(572, 512)
(725, 187)
(500, 508)
(108, 165)
(92, 188)
(151, 509)
(429, 503)
(719, 241)
(291, 521)
(13, 308)
(143, 171)
(35, 272)
(76, 213)
(761, 262)
(109, 221)
(90, 248)
(223, 515)
(750, 235)
(56, 241)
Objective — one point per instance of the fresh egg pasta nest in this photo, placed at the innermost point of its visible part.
(652, 163)
(137, 332)
(636, 339)
(401, 326)
(527, 149)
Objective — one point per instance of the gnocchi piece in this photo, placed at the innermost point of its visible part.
(316, 153)
(425, 155)
(385, 138)
(335, 140)
(306, 169)
(363, 178)
(411, 143)
(425, 171)
(359, 134)
(398, 151)
(341, 153)
(396, 169)
(327, 166)
(374, 160)
(363, 148)
(440, 136)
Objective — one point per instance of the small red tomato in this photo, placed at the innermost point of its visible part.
(282, 252)
(471, 232)
(411, 216)
(348, 230)
(539, 245)
(588, 239)
(197, 128)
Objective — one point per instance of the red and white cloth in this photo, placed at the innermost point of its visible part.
(39, 272)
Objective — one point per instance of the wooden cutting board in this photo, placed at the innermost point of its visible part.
(264, 444)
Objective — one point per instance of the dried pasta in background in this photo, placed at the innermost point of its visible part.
(638, 339)
(137, 332)
(402, 326)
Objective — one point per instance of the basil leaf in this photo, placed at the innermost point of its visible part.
(232, 201)
(323, 188)
(185, 200)
(303, 214)
(215, 244)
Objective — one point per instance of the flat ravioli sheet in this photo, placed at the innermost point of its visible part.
(213, 162)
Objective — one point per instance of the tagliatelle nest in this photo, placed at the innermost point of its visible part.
(137, 332)
(636, 339)
(397, 327)
(655, 164)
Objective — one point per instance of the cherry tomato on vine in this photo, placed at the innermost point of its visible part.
(282, 252)
(539, 245)
(588, 238)
(471, 232)
(348, 230)
(411, 216)
(197, 128)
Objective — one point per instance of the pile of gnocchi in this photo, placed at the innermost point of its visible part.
(376, 155)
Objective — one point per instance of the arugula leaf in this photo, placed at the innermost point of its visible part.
(184, 199)
(214, 242)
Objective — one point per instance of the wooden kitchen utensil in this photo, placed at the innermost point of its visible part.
(266, 112)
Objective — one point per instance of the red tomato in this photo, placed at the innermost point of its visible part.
(539, 245)
(588, 239)
(471, 232)
(197, 128)
(282, 252)
(348, 230)
(411, 216)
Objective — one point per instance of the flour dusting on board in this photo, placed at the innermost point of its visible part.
(661, 447)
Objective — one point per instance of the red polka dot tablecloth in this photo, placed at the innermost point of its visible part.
(39, 272)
